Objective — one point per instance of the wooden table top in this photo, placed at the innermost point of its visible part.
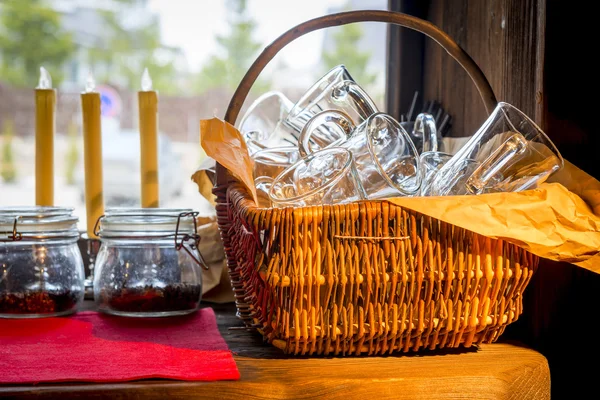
(494, 371)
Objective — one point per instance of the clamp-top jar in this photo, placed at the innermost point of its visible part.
(41, 269)
(148, 264)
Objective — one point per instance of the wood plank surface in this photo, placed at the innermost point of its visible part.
(494, 371)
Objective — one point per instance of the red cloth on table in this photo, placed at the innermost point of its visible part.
(94, 347)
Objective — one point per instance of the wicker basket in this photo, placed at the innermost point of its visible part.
(367, 277)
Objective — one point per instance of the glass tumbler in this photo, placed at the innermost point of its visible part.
(262, 124)
(271, 162)
(148, 264)
(326, 177)
(385, 156)
(41, 268)
(431, 163)
(511, 153)
(336, 90)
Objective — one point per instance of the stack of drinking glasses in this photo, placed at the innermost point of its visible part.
(335, 146)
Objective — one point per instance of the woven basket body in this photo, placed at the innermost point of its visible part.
(367, 277)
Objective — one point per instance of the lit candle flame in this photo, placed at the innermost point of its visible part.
(90, 83)
(146, 81)
(45, 81)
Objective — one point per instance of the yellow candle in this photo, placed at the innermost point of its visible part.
(92, 149)
(45, 107)
(148, 113)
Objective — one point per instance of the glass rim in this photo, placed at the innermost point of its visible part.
(375, 158)
(441, 153)
(258, 102)
(502, 104)
(263, 179)
(300, 105)
(428, 155)
(336, 178)
(287, 149)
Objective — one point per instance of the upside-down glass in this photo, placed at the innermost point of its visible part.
(271, 162)
(385, 156)
(262, 127)
(512, 153)
(326, 177)
(334, 91)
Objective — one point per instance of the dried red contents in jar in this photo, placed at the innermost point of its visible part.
(38, 302)
(152, 299)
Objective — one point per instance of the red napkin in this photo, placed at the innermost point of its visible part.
(94, 347)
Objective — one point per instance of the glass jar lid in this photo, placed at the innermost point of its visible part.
(150, 224)
(146, 222)
(32, 223)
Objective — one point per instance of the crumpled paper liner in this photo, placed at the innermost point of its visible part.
(560, 220)
(223, 142)
(216, 287)
(205, 179)
(550, 221)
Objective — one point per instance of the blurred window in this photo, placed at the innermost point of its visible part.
(196, 53)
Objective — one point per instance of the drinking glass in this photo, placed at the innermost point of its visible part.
(314, 138)
(511, 154)
(385, 156)
(431, 163)
(328, 176)
(262, 127)
(271, 162)
(263, 185)
(334, 91)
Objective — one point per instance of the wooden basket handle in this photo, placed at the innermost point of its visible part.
(407, 21)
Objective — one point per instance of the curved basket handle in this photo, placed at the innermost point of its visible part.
(407, 21)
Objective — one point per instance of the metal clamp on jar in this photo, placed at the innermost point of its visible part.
(41, 269)
(140, 269)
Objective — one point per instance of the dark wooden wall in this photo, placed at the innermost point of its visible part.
(536, 55)
(562, 301)
(502, 37)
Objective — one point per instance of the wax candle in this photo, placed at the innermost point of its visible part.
(45, 108)
(148, 114)
(92, 149)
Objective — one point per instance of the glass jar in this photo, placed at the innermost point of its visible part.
(148, 264)
(41, 269)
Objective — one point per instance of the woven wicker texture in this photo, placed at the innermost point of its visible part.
(366, 277)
